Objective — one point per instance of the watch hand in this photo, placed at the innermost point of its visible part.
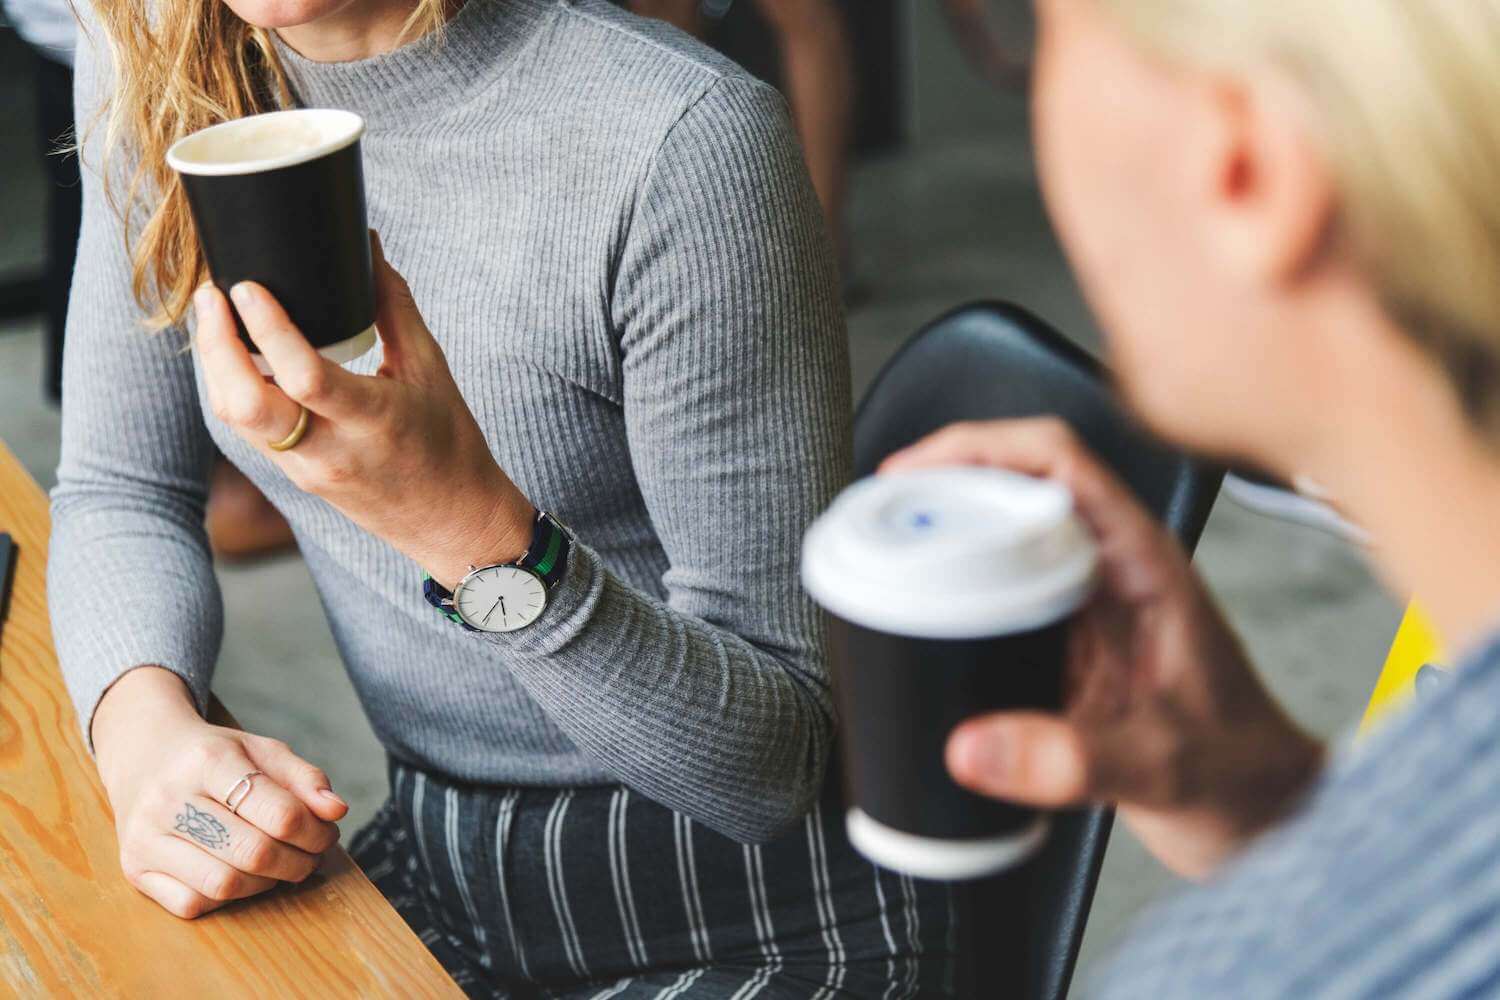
(492, 611)
(503, 612)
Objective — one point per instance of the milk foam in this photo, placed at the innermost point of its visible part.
(265, 142)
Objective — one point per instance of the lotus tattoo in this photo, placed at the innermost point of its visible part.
(202, 827)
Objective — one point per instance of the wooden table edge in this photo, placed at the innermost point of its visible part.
(24, 514)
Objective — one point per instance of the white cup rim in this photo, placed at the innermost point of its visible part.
(942, 859)
(344, 129)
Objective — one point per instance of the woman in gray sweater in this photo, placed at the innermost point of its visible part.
(628, 319)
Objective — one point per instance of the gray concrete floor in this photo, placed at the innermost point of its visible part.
(954, 218)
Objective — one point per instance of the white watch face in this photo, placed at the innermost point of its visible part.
(500, 598)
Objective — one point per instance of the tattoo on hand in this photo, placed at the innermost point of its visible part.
(202, 827)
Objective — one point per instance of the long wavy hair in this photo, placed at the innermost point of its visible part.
(178, 66)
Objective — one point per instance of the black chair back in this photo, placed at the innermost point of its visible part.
(1021, 930)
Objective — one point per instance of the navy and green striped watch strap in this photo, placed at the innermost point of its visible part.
(441, 598)
(547, 557)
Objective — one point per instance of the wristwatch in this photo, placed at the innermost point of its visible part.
(506, 597)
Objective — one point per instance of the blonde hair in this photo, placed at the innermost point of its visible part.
(181, 65)
(1405, 95)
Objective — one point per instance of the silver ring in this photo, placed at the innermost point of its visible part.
(242, 789)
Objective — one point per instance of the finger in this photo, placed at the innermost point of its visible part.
(238, 393)
(403, 332)
(1098, 671)
(1021, 757)
(1051, 762)
(174, 897)
(305, 781)
(300, 371)
(282, 801)
(1036, 446)
(271, 808)
(1139, 556)
(209, 825)
(201, 872)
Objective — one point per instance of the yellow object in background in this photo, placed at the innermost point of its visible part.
(1416, 646)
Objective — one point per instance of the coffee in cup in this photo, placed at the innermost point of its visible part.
(950, 593)
(279, 198)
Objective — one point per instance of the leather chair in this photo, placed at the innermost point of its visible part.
(1022, 929)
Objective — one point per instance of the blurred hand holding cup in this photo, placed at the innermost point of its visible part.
(279, 199)
(951, 592)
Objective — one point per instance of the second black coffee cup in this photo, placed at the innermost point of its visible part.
(279, 199)
(951, 593)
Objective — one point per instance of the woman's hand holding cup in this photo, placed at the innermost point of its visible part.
(1165, 715)
(399, 452)
(168, 774)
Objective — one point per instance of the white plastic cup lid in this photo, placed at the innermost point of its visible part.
(959, 553)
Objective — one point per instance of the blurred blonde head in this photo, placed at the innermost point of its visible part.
(1403, 98)
(178, 66)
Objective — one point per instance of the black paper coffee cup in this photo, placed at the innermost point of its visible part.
(279, 198)
(951, 593)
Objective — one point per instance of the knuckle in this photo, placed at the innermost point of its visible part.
(254, 854)
(190, 908)
(203, 759)
(328, 835)
(268, 745)
(303, 870)
(306, 385)
(282, 820)
(201, 754)
(223, 883)
(246, 410)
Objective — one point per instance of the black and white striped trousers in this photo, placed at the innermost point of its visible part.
(600, 892)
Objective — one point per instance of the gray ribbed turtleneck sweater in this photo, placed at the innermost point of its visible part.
(611, 232)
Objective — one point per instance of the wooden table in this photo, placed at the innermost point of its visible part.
(70, 925)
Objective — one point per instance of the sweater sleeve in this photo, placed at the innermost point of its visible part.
(737, 404)
(129, 580)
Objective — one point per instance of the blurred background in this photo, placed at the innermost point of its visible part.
(941, 208)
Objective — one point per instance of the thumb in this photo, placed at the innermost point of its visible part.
(1024, 757)
(1052, 762)
(306, 781)
(397, 318)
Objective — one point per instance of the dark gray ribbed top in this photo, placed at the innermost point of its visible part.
(610, 230)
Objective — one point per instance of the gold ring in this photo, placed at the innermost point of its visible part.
(290, 441)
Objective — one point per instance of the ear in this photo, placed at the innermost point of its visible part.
(1269, 190)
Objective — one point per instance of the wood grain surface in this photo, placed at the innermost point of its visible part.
(70, 925)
